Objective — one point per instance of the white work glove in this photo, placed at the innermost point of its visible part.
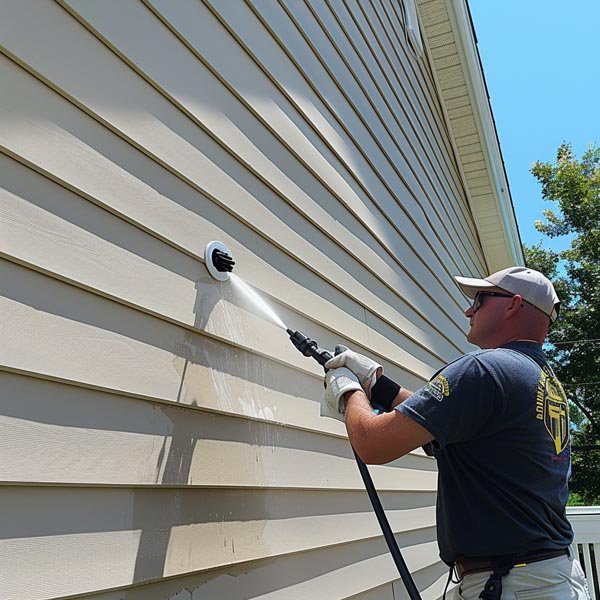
(363, 367)
(337, 383)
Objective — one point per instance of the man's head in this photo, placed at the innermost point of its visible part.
(515, 303)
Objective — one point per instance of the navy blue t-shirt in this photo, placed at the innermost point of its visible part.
(501, 427)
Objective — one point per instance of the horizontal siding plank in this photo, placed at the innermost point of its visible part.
(432, 108)
(267, 158)
(40, 156)
(395, 64)
(75, 336)
(319, 257)
(57, 232)
(372, 21)
(400, 98)
(384, 592)
(400, 59)
(323, 573)
(429, 581)
(381, 180)
(63, 333)
(111, 538)
(314, 299)
(160, 438)
(56, 566)
(60, 434)
(438, 591)
(200, 40)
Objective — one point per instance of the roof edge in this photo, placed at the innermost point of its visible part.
(462, 53)
(488, 124)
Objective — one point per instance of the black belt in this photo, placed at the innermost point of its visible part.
(467, 565)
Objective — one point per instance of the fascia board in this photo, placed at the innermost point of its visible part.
(453, 14)
(467, 48)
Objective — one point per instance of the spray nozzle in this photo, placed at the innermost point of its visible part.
(309, 347)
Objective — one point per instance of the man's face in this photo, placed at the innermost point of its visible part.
(486, 316)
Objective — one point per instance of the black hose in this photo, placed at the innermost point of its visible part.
(309, 347)
(388, 534)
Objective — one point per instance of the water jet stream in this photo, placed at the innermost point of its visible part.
(258, 302)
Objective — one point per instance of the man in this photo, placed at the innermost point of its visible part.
(497, 422)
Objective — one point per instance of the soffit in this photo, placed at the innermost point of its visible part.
(452, 51)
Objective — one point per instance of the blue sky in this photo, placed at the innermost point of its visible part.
(542, 65)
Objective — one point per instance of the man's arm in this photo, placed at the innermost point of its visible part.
(379, 439)
(403, 394)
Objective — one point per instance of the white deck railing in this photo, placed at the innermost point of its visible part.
(586, 525)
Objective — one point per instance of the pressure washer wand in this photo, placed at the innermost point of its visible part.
(310, 348)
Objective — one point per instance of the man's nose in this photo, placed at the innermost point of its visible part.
(469, 312)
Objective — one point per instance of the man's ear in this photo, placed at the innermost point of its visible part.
(515, 305)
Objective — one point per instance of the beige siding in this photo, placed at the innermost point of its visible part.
(160, 439)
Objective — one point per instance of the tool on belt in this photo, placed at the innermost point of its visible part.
(501, 566)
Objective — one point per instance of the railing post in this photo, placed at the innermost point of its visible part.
(586, 527)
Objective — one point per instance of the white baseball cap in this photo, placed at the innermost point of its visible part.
(531, 285)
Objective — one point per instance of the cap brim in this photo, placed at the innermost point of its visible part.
(471, 285)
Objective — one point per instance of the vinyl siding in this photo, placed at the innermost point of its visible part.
(161, 439)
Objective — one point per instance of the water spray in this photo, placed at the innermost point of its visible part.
(220, 263)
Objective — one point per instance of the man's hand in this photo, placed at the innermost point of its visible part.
(337, 383)
(366, 369)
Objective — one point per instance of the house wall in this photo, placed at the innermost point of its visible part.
(160, 438)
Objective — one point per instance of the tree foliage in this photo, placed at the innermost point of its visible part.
(574, 351)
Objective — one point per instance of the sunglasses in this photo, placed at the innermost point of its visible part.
(480, 296)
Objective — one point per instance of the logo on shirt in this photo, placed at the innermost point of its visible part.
(552, 408)
(439, 388)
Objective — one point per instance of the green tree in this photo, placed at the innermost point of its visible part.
(574, 340)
